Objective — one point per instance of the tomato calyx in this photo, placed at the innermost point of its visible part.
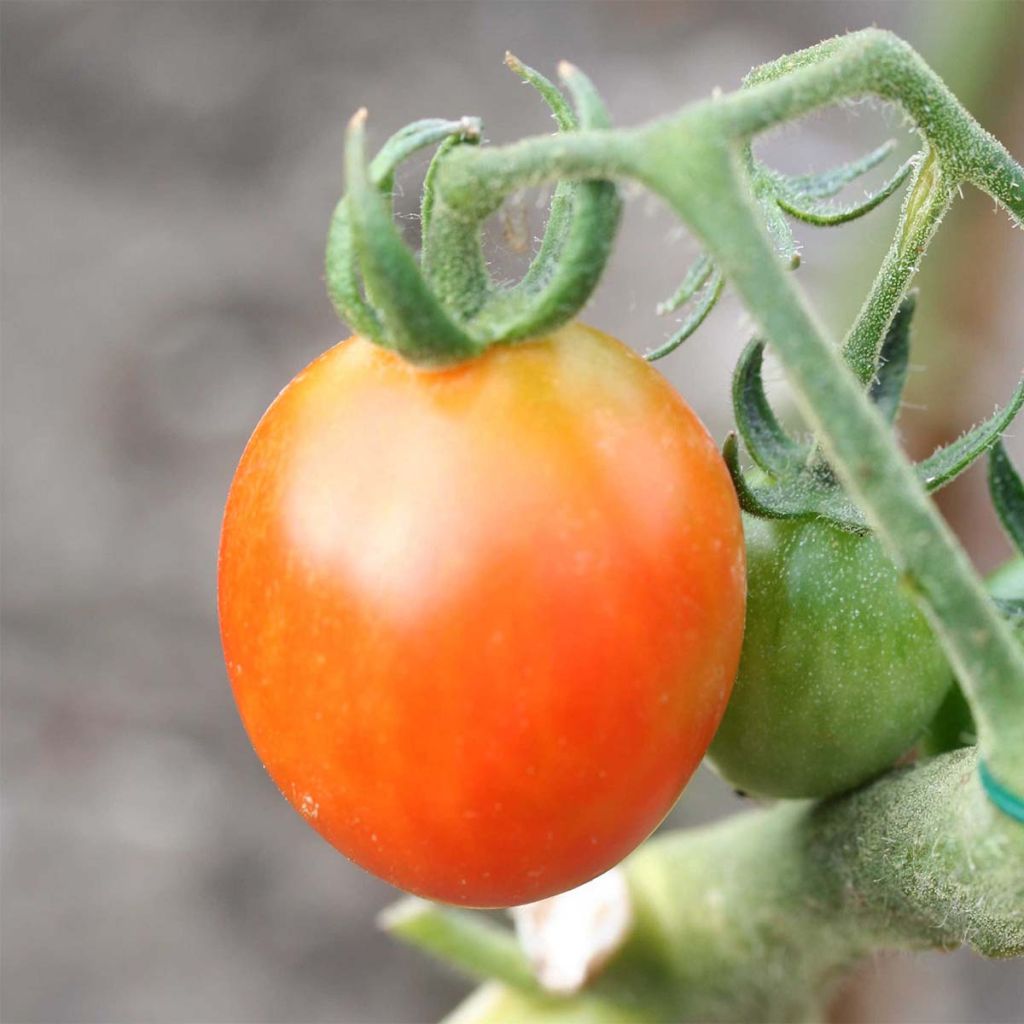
(795, 481)
(445, 307)
(1006, 489)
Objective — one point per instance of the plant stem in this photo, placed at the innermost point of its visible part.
(755, 917)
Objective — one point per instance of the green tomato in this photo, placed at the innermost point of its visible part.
(839, 673)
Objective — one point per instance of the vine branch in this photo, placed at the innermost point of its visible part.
(754, 918)
(694, 160)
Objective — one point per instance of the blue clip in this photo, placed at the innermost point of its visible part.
(1008, 802)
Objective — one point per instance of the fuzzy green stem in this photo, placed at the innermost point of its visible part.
(472, 943)
(753, 918)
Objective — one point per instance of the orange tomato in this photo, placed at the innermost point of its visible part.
(482, 622)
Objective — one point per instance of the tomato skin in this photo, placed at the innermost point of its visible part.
(481, 623)
(840, 672)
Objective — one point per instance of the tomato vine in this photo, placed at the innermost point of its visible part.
(925, 856)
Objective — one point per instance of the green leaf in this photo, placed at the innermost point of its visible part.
(766, 440)
(825, 214)
(708, 297)
(947, 463)
(887, 389)
(1007, 490)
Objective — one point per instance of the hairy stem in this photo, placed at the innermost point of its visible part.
(753, 918)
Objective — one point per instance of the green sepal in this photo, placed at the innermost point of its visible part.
(779, 231)
(769, 445)
(413, 137)
(708, 296)
(1011, 608)
(765, 184)
(695, 279)
(1007, 490)
(342, 278)
(340, 266)
(796, 497)
(947, 463)
(416, 324)
(429, 183)
(543, 263)
(577, 242)
(563, 114)
(826, 214)
(826, 184)
(886, 390)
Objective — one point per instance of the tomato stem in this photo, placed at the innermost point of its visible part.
(755, 917)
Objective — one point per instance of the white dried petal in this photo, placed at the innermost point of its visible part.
(569, 938)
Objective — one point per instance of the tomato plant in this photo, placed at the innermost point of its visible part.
(482, 622)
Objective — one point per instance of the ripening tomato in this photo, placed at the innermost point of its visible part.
(482, 622)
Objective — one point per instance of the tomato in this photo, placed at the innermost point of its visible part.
(840, 672)
(482, 622)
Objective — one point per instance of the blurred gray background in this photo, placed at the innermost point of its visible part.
(168, 170)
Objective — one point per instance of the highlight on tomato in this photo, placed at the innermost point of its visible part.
(482, 622)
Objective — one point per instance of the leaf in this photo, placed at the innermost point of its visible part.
(796, 498)
(766, 440)
(824, 214)
(887, 389)
(709, 296)
(947, 463)
(1007, 490)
